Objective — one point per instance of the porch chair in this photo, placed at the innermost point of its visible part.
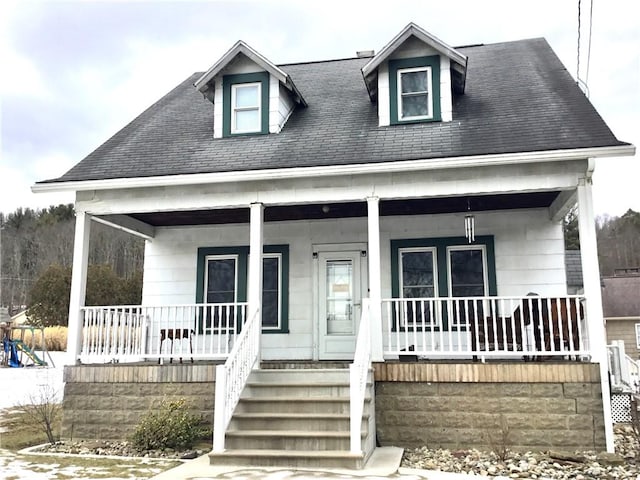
(554, 324)
(172, 334)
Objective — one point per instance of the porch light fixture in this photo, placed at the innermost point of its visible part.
(469, 224)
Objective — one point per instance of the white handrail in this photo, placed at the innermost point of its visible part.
(625, 371)
(232, 377)
(358, 375)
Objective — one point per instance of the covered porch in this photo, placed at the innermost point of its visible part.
(326, 270)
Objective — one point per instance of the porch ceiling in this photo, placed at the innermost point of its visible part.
(418, 206)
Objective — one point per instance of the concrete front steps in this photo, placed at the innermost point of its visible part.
(296, 418)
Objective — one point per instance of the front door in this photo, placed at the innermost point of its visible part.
(341, 281)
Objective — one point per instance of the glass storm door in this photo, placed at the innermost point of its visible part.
(339, 298)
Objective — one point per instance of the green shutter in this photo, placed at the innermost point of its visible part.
(432, 61)
(227, 82)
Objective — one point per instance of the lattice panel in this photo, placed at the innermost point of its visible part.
(620, 408)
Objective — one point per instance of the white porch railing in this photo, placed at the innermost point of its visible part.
(358, 375)
(232, 377)
(624, 370)
(498, 327)
(134, 332)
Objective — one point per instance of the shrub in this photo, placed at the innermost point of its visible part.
(170, 426)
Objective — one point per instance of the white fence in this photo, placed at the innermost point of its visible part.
(486, 327)
(135, 333)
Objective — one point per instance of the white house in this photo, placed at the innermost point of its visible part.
(410, 199)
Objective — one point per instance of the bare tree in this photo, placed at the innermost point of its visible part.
(42, 409)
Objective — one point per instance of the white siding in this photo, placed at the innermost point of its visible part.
(525, 261)
(280, 105)
(384, 108)
(446, 102)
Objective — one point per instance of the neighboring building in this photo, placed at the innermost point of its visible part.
(353, 210)
(621, 308)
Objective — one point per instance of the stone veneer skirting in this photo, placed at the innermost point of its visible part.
(538, 406)
(542, 405)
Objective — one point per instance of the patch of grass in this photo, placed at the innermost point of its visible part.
(19, 432)
(95, 468)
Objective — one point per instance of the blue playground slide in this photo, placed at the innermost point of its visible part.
(12, 347)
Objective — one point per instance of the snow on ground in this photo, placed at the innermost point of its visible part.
(21, 385)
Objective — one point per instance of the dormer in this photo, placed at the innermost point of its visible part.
(250, 94)
(414, 77)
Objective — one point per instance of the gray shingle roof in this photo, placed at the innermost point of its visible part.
(573, 265)
(621, 296)
(518, 98)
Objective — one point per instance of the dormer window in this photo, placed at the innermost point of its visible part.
(245, 117)
(415, 101)
(245, 104)
(414, 87)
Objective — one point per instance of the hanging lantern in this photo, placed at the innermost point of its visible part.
(470, 227)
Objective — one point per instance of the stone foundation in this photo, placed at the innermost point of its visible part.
(533, 406)
(107, 401)
(561, 409)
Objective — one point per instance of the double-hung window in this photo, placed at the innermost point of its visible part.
(414, 90)
(245, 104)
(414, 93)
(221, 292)
(424, 270)
(271, 291)
(418, 281)
(222, 276)
(246, 107)
(467, 277)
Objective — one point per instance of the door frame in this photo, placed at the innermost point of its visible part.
(326, 248)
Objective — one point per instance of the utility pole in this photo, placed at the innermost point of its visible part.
(4, 311)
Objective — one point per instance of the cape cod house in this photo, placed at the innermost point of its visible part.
(400, 211)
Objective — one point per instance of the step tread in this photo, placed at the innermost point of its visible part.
(288, 453)
(289, 433)
(333, 398)
(289, 415)
(294, 383)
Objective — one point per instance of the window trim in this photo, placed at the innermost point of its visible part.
(206, 277)
(434, 259)
(395, 66)
(278, 256)
(637, 326)
(228, 82)
(460, 248)
(428, 92)
(441, 244)
(242, 272)
(235, 109)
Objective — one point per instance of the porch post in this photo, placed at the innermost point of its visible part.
(593, 296)
(375, 290)
(78, 286)
(254, 284)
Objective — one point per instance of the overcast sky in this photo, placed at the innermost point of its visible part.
(73, 73)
